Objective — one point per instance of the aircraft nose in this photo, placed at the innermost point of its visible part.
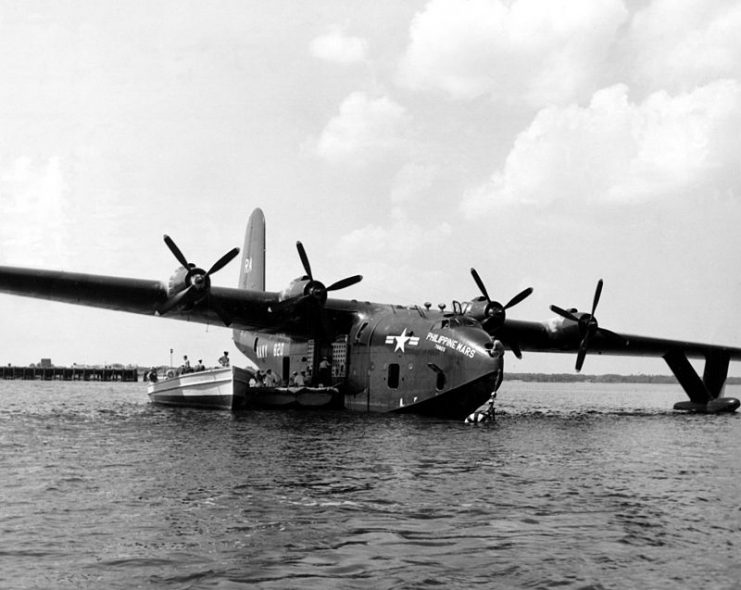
(482, 349)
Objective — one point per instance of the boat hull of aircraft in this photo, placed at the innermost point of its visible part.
(455, 404)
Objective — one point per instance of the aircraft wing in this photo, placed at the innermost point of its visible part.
(245, 309)
(564, 336)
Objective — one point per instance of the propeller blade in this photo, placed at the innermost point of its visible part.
(480, 284)
(176, 251)
(175, 300)
(563, 313)
(583, 347)
(223, 261)
(304, 259)
(345, 283)
(597, 295)
(592, 328)
(519, 297)
(581, 355)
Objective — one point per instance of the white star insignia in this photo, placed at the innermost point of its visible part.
(402, 340)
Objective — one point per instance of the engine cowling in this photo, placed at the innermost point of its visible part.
(302, 287)
(177, 282)
(190, 284)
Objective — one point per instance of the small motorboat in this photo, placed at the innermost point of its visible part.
(228, 388)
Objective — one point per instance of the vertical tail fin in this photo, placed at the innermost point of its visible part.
(252, 273)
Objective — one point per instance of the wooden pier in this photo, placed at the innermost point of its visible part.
(69, 373)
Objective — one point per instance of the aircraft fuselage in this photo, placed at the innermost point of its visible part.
(393, 359)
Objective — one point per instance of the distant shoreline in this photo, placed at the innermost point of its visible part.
(609, 378)
(527, 377)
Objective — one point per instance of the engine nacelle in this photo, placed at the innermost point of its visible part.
(190, 285)
(567, 330)
(302, 288)
(183, 278)
(476, 308)
(177, 282)
(490, 313)
(294, 290)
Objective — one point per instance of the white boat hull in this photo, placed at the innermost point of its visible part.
(220, 388)
(228, 389)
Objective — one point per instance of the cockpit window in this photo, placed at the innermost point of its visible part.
(456, 321)
(360, 331)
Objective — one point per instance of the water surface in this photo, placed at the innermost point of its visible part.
(575, 486)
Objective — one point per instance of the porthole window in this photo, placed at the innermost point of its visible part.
(393, 376)
(440, 381)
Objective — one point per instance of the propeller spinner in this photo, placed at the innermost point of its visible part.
(495, 313)
(198, 282)
(587, 324)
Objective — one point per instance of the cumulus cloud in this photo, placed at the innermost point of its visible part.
(401, 237)
(391, 253)
(679, 44)
(616, 150)
(542, 51)
(365, 128)
(337, 47)
(411, 182)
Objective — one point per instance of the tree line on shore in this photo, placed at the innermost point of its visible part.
(609, 378)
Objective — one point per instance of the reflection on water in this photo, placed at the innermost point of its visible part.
(575, 485)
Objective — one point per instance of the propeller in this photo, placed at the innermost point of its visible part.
(316, 289)
(198, 282)
(587, 324)
(315, 292)
(495, 313)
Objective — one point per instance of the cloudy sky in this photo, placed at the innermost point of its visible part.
(547, 143)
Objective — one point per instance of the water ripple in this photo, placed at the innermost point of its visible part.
(572, 487)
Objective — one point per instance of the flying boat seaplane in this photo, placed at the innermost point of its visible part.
(374, 357)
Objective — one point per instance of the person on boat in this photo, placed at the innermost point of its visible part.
(271, 379)
(186, 368)
(325, 372)
(224, 360)
(199, 365)
(257, 380)
(301, 379)
(307, 369)
(152, 375)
